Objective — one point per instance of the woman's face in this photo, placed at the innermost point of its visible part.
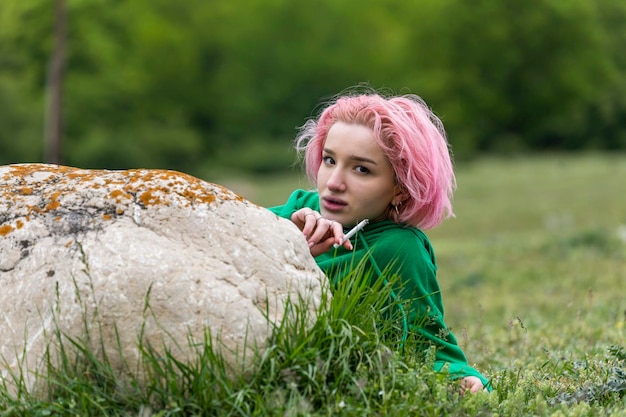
(355, 180)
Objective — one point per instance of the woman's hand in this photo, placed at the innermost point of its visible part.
(321, 233)
(471, 384)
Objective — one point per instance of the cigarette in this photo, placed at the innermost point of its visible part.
(351, 233)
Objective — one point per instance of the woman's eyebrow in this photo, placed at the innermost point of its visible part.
(363, 159)
(353, 157)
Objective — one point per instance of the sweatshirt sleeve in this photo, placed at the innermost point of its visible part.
(297, 200)
(418, 288)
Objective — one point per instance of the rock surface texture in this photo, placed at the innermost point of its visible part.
(151, 255)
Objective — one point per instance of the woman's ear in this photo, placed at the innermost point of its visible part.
(400, 195)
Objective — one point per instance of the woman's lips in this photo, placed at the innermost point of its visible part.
(333, 204)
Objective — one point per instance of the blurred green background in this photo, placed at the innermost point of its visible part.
(217, 88)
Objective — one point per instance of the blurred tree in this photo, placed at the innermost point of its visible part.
(56, 75)
(21, 79)
(181, 85)
(517, 73)
(134, 89)
(606, 119)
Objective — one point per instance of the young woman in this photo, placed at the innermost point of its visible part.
(384, 159)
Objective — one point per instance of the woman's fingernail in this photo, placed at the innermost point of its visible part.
(311, 244)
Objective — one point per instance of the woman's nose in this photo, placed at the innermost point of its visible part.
(336, 181)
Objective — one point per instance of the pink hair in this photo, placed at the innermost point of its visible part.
(412, 138)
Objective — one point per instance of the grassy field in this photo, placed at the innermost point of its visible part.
(533, 273)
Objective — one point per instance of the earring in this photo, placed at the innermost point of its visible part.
(396, 207)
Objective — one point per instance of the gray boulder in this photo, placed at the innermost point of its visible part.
(151, 256)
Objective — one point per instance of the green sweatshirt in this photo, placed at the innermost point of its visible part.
(401, 251)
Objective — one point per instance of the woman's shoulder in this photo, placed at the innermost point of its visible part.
(406, 247)
(305, 198)
(297, 200)
(389, 232)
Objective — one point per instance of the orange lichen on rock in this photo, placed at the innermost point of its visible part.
(78, 174)
(196, 193)
(148, 187)
(183, 185)
(5, 229)
(106, 216)
(20, 224)
(53, 205)
(117, 195)
(148, 198)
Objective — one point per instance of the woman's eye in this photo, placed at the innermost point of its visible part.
(362, 170)
(328, 160)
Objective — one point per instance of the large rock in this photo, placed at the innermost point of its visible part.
(150, 254)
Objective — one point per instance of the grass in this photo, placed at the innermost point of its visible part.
(532, 271)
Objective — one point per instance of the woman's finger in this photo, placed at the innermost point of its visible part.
(325, 229)
(310, 223)
(337, 233)
(322, 247)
